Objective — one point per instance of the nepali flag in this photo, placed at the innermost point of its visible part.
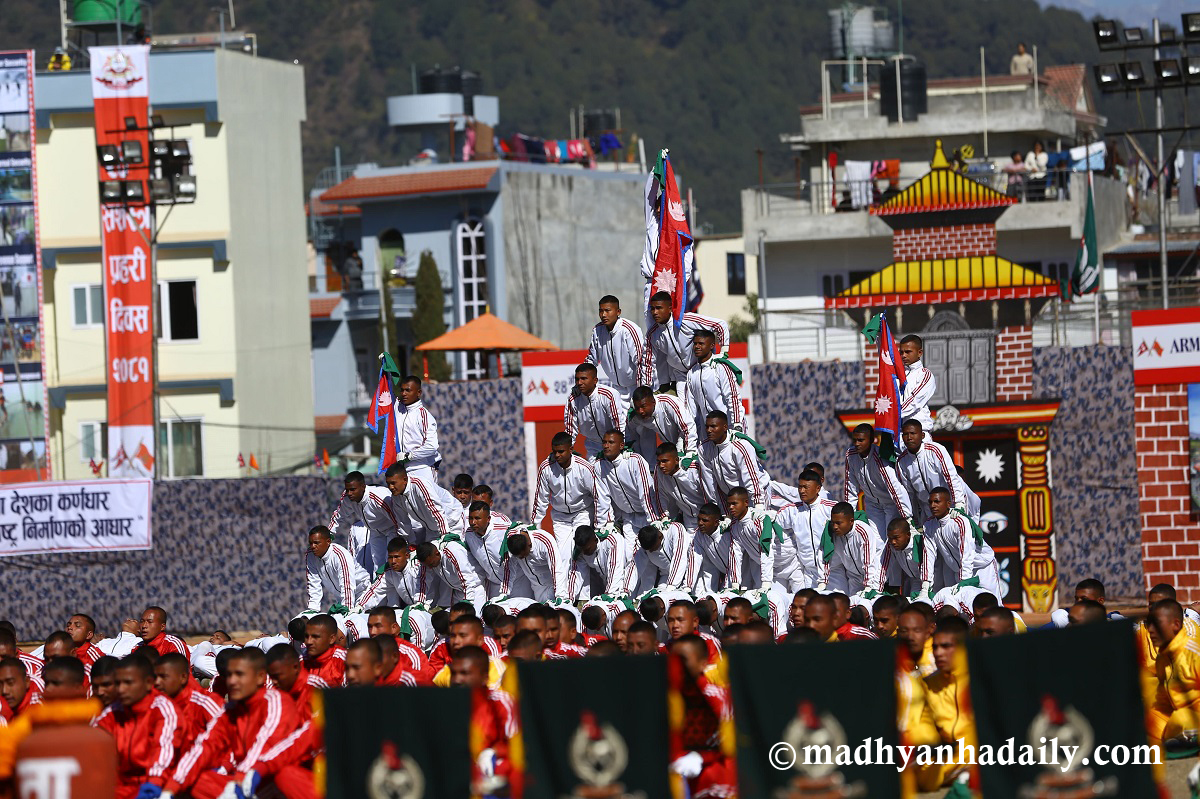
(891, 383)
(673, 259)
(382, 417)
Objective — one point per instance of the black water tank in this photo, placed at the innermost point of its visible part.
(911, 91)
(440, 81)
(472, 84)
(598, 121)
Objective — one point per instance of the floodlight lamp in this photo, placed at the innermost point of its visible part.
(135, 192)
(160, 190)
(108, 154)
(1168, 71)
(1191, 69)
(1135, 36)
(1191, 26)
(185, 188)
(1133, 73)
(131, 123)
(131, 152)
(1108, 76)
(156, 121)
(110, 191)
(1106, 33)
(160, 149)
(180, 148)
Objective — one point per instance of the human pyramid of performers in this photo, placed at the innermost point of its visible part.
(668, 537)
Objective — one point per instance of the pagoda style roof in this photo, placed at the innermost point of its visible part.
(945, 280)
(943, 189)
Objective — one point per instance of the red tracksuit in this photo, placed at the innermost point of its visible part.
(195, 708)
(494, 718)
(147, 735)
(302, 690)
(418, 664)
(264, 734)
(330, 666)
(165, 643)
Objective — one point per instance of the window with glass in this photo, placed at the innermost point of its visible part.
(471, 248)
(735, 273)
(93, 441)
(180, 448)
(88, 305)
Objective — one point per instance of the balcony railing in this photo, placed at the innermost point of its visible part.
(813, 198)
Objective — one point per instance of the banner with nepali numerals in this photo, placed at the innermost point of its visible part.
(22, 391)
(88, 516)
(120, 89)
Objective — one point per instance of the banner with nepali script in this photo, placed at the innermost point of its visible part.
(120, 89)
(91, 515)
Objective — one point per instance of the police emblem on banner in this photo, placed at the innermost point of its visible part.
(811, 731)
(1065, 727)
(394, 775)
(599, 756)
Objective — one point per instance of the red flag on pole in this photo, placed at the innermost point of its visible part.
(241, 461)
(673, 261)
(254, 462)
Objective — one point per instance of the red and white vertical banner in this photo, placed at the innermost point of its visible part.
(120, 89)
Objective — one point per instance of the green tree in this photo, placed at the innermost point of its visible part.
(427, 321)
(740, 329)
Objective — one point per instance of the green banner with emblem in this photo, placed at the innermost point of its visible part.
(594, 727)
(803, 711)
(397, 742)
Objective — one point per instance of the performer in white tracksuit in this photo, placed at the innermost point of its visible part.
(448, 561)
(417, 431)
(804, 522)
(729, 460)
(625, 478)
(924, 465)
(884, 496)
(663, 416)
(712, 385)
(962, 553)
(663, 559)
(670, 346)
(910, 562)
(617, 350)
(592, 410)
(400, 584)
(568, 486)
(536, 554)
(363, 519)
(486, 530)
(857, 563)
(919, 383)
(424, 510)
(333, 576)
(677, 487)
(602, 555)
(770, 554)
(710, 550)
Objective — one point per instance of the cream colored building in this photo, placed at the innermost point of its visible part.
(235, 371)
(727, 274)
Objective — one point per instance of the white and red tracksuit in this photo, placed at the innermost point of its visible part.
(610, 561)
(485, 552)
(670, 422)
(621, 359)
(712, 386)
(195, 709)
(671, 566)
(330, 666)
(365, 526)
(426, 511)
(919, 388)
(710, 554)
(456, 571)
(779, 565)
(147, 734)
(545, 566)
(629, 487)
(899, 568)
(417, 431)
(857, 563)
(593, 415)
(805, 524)
(396, 589)
(335, 579)
(960, 557)
(884, 496)
(573, 496)
(263, 733)
(729, 464)
(680, 495)
(930, 467)
(671, 346)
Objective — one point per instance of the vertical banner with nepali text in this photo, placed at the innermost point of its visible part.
(22, 389)
(120, 88)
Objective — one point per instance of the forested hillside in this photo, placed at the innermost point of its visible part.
(712, 79)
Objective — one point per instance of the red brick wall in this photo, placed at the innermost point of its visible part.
(956, 241)
(870, 379)
(1170, 528)
(1014, 363)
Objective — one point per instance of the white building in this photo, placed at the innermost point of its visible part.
(234, 366)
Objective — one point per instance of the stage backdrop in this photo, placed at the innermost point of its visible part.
(226, 553)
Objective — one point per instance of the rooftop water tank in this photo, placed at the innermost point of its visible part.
(107, 12)
(908, 98)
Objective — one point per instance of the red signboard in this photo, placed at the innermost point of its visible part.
(120, 88)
